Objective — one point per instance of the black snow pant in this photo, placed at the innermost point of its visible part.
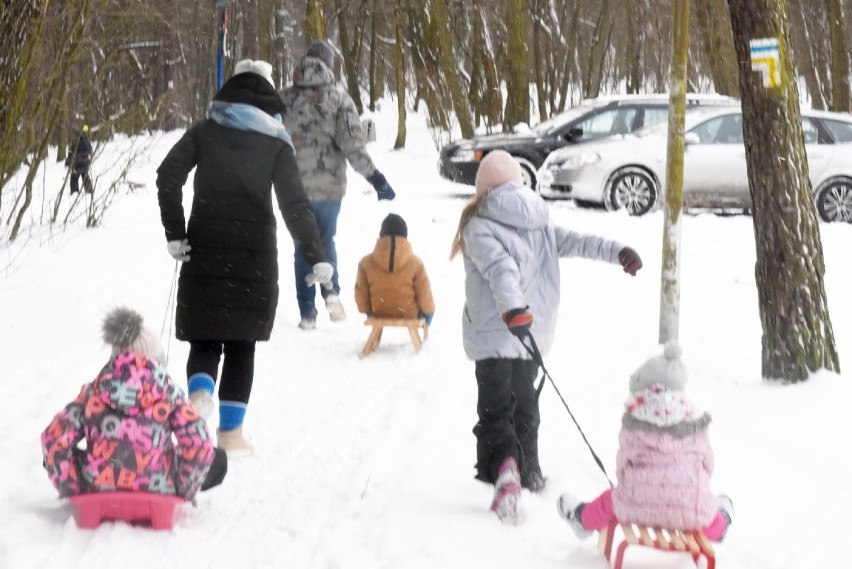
(75, 181)
(509, 418)
(237, 368)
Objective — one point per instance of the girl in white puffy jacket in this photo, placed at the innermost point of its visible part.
(511, 252)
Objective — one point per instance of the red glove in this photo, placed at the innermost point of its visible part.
(630, 260)
(519, 321)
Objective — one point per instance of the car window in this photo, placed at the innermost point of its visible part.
(727, 129)
(608, 122)
(810, 130)
(841, 131)
(655, 114)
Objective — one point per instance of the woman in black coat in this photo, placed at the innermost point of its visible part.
(228, 288)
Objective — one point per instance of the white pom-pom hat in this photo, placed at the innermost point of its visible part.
(123, 331)
(258, 67)
(667, 369)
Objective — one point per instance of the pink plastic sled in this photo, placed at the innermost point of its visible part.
(158, 509)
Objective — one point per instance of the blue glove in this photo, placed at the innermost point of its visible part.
(427, 318)
(383, 189)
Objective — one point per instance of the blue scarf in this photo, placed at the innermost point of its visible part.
(241, 116)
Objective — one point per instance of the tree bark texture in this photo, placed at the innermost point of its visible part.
(399, 73)
(673, 207)
(797, 334)
(449, 68)
(517, 69)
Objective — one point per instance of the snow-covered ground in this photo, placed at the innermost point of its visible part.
(367, 464)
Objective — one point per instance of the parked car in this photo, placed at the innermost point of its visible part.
(629, 171)
(591, 120)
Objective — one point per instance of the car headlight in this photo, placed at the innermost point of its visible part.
(574, 161)
(467, 155)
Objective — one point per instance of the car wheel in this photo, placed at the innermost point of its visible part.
(527, 172)
(632, 189)
(834, 200)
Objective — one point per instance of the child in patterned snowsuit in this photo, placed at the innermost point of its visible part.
(141, 432)
(664, 462)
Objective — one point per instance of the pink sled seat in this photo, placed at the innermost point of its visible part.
(158, 509)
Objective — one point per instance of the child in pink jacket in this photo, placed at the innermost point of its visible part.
(141, 431)
(664, 463)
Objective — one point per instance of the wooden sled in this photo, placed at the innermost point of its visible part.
(693, 542)
(156, 509)
(414, 326)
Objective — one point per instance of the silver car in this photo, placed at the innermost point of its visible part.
(629, 171)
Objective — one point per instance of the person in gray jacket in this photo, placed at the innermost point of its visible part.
(326, 130)
(511, 252)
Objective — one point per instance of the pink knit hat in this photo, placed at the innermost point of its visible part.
(497, 168)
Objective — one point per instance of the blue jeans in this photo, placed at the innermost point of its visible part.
(326, 214)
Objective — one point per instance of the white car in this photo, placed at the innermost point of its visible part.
(629, 171)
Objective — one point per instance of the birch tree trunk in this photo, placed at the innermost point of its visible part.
(673, 207)
(797, 334)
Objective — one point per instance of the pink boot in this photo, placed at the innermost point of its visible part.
(507, 491)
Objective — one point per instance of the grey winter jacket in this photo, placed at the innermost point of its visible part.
(511, 260)
(326, 131)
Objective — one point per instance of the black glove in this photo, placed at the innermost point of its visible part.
(383, 189)
(630, 260)
(519, 321)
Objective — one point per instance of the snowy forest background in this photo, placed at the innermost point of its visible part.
(128, 66)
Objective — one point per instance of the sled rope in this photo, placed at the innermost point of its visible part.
(170, 306)
(534, 352)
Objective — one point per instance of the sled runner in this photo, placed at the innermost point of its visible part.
(693, 542)
(156, 509)
(413, 324)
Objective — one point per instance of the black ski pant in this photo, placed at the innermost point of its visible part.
(509, 418)
(75, 181)
(237, 367)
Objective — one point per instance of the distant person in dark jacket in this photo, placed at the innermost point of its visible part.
(228, 288)
(78, 160)
(322, 119)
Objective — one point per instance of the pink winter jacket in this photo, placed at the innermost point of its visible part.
(142, 434)
(664, 475)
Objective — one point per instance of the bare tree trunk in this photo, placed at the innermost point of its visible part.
(600, 48)
(517, 72)
(670, 277)
(449, 67)
(315, 21)
(839, 63)
(351, 51)
(714, 23)
(490, 98)
(399, 69)
(797, 334)
(373, 71)
(251, 41)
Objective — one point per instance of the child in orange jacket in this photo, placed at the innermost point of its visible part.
(392, 281)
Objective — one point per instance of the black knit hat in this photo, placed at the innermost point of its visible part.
(322, 51)
(394, 225)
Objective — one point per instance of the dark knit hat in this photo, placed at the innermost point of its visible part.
(322, 51)
(394, 225)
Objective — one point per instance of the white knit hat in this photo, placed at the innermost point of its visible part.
(258, 67)
(123, 330)
(497, 168)
(667, 369)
